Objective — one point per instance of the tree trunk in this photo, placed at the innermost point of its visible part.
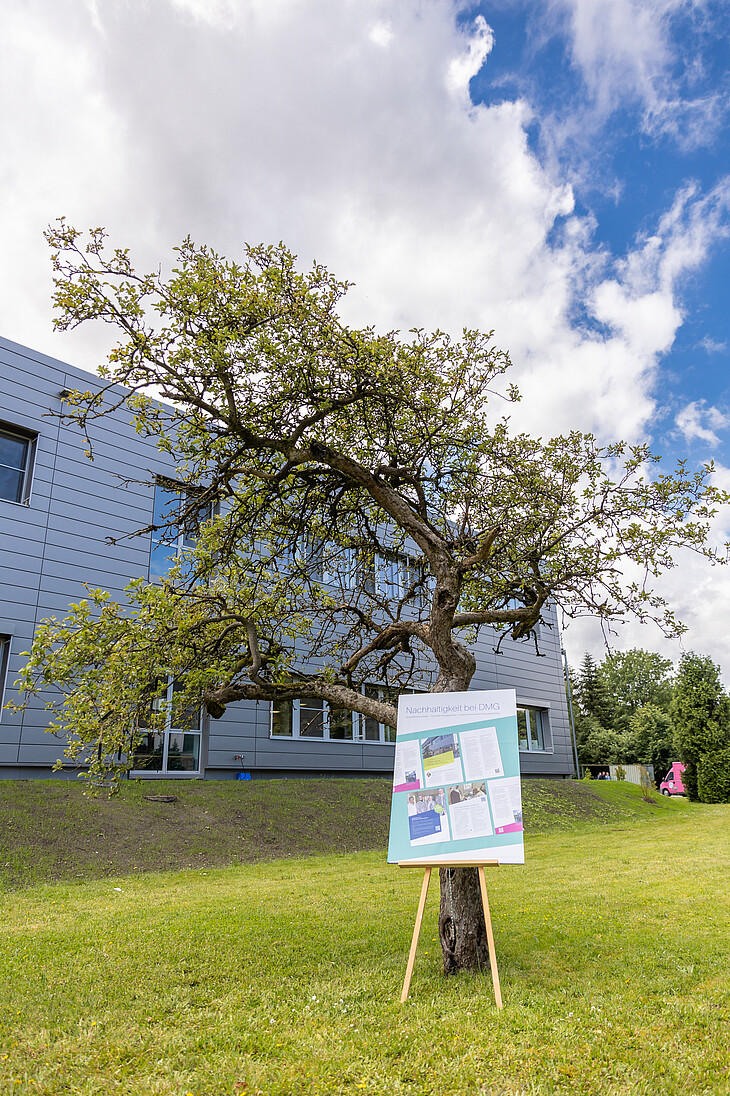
(462, 930)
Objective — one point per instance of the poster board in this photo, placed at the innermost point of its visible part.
(456, 782)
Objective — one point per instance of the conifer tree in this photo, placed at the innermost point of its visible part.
(701, 714)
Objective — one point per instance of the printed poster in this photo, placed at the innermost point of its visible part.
(456, 783)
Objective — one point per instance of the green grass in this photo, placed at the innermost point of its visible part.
(50, 831)
(284, 977)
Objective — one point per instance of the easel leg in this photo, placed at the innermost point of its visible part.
(490, 939)
(416, 934)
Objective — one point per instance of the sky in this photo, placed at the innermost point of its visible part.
(555, 170)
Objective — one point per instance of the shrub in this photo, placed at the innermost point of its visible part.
(713, 777)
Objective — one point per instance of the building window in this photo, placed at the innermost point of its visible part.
(398, 575)
(328, 722)
(370, 729)
(4, 663)
(16, 462)
(176, 749)
(282, 721)
(533, 727)
(169, 540)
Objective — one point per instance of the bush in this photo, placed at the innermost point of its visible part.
(713, 777)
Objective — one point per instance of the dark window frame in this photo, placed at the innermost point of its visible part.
(29, 438)
(5, 645)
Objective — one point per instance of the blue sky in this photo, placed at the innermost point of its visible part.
(557, 170)
(632, 127)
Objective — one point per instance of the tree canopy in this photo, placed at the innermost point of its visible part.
(370, 506)
(634, 678)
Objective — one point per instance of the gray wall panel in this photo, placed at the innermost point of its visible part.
(22, 522)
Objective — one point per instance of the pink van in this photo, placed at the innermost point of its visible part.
(672, 782)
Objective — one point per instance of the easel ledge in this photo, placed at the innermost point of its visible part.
(480, 865)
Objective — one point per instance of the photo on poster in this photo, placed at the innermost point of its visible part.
(427, 818)
(407, 771)
(506, 803)
(441, 759)
(469, 810)
(482, 757)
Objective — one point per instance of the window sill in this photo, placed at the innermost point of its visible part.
(328, 741)
(145, 774)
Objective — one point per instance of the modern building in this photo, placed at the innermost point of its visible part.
(58, 510)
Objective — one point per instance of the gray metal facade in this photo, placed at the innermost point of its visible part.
(56, 540)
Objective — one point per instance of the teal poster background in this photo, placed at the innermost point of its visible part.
(456, 780)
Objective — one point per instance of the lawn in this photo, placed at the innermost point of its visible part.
(50, 831)
(283, 977)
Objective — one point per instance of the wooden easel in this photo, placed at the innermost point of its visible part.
(429, 865)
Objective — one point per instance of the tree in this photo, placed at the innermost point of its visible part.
(713, 776)
(651, 736)
(325, 450)
(597, 745)
(701, 714)
(634, 678)
(592, 696)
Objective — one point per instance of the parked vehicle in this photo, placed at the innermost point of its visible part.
(672, 782)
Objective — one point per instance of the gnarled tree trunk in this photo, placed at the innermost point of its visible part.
(462, 930)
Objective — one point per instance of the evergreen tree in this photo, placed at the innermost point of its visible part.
(701, 714)
(591, 695)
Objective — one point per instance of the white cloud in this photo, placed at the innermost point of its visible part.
(712, 346)
(261, 120)
(346, 130)
(463, 68)
(381, 34)
(628, 52)
(604, 377)
(698, 422)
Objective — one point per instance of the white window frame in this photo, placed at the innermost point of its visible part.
(30, 439)
(357, 723)
(164, 772)
(545, 728)
(396, 572)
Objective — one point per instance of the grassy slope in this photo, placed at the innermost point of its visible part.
(283, 978)
(50, 830)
